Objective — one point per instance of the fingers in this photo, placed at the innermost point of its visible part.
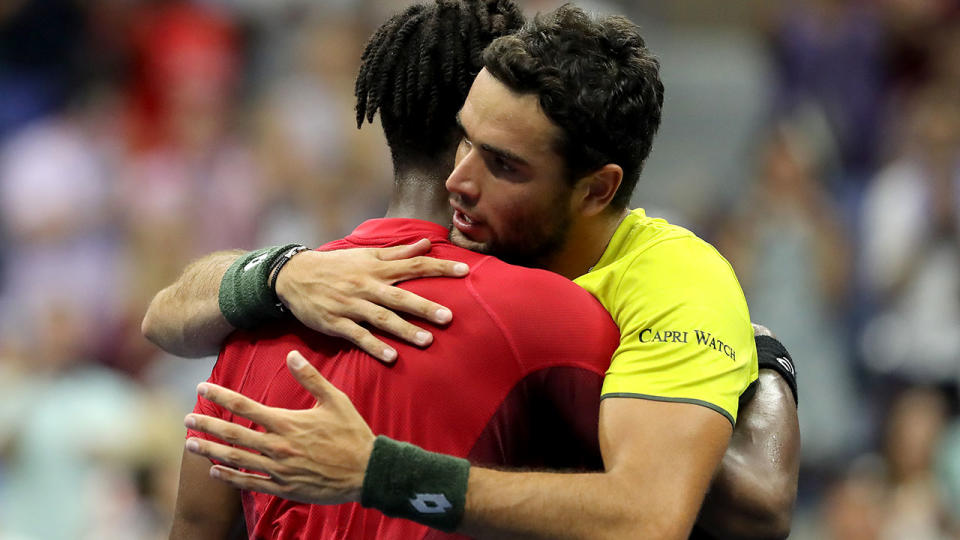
(226, 431)
(247, 481)
(404, 252)
(238, 458)
(309, 378)
(386, 320)
(761, 330)
(418, 267)
(408, 263)
(398, 299)
(236, 403)
(361, 337)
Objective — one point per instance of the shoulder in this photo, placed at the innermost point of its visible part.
(673, 275)
(547, 317)
(674, 266)
(528, 289)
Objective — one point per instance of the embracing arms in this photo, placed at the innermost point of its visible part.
(331, 292)
(650, 488)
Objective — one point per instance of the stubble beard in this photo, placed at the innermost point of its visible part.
(537, 242)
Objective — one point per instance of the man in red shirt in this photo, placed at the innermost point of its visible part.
(515, 383)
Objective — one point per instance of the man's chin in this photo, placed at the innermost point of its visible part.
(461, 240)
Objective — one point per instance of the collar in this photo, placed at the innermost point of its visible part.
(398, 230)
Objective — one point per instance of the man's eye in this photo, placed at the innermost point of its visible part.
(503, 165)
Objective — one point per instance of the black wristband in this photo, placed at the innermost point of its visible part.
(246, 298)
(406, 481)
(771, 354)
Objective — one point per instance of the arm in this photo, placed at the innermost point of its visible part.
(330, 292)
(754, 491)
(657, 470)
(755, 488)
(184, 319)
(206, 508)
(656, 474)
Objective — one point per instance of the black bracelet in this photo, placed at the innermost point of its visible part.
(771, 354)
(278, 264)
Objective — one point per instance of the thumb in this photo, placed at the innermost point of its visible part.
(395, 253)
(308, 377)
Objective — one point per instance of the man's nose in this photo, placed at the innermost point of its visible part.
(464, 180)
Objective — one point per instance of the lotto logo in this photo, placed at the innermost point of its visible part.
(256, 260)
(431, 503)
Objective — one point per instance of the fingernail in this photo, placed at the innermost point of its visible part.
(423, 338)
(296, 361)
(214, 473)
(190, 422)
(192, 445)
(389, 355)
(461, 268)
(443, 315)
(202, 389)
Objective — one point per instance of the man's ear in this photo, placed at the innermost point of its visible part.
(595, 190)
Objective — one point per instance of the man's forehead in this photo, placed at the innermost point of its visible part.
(493, 110)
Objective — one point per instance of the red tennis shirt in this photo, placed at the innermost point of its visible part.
(513, 381)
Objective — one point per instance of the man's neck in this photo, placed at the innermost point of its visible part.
(586, 243)
(420, 195)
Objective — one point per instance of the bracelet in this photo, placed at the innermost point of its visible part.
(278, 265)
(771, 354)
(246, 298)
(406, 481)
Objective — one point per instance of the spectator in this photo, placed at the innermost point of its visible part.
(911, 250)
(791, 254)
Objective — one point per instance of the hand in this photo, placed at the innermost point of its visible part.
(333, 291)
(761, 330)
(315, 456)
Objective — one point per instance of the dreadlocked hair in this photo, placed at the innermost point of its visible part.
(417, 68)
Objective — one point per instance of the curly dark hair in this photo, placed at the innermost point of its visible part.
(595, 79)
(417, 69)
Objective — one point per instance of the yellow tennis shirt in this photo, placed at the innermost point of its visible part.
(685, 332)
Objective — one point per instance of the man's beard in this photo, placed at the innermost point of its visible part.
(536, 243)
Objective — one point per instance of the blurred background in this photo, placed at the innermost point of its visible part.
(815, 142)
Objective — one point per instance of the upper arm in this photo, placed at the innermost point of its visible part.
(663, 456)
(185, 318)
(206, 508)
(755, 489)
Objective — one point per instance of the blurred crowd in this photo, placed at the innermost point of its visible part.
(815, 142)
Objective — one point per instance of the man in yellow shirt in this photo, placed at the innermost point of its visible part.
(687, 349)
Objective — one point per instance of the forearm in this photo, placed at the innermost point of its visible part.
(504, 504)
(753, 493)
(185, 318)
(657, 472)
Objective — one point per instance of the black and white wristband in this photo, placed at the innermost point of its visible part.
(771, 354)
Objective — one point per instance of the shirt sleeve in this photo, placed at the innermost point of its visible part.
(685, 329)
